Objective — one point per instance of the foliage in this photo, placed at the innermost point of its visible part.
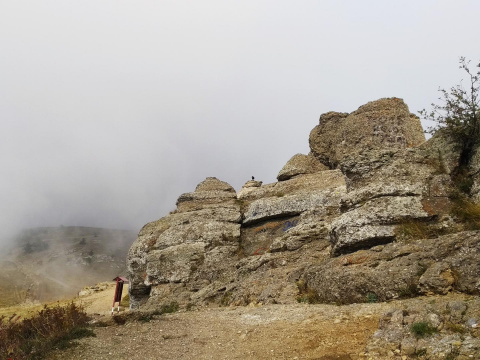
(306, 294)
(372, 298)
(51, 328)
(422, 329)
(226, 298)
(456, 328)
(458, 113)
(35, 246)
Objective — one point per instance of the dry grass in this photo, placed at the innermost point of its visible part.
(306, 294)
(466, 212)
(52, 327)
(411, 230)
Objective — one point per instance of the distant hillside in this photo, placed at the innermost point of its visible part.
(53, 262)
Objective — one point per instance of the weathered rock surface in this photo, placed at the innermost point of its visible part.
(294, 196)
(379, 226)
(248, 187)
(381, 124)
(428, 266)
(371, 223)
(453, 335)
(178, 248)
(300, 164)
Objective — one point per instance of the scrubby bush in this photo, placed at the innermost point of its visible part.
(458, 113)
(422, 329)
(51, 328)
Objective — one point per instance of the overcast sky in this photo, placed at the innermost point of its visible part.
(109, 110)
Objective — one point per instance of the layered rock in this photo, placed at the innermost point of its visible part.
(338, 224)
(184, 246)
(387, 188)
(400, 269)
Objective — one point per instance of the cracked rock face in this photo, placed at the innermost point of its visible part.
(381, 124)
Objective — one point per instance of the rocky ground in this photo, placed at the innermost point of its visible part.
(297, 331)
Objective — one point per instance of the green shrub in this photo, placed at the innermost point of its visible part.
(422, 329)
(226, 298)
(456, 328)
(125, 301)
(372, 297)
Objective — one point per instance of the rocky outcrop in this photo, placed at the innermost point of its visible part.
(444, 329)
(191, 245)
(400, 269)
(293, 197)
(381, 124)
(300, 164)
(367, 215)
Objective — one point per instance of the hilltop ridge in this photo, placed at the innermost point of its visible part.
(53, 262)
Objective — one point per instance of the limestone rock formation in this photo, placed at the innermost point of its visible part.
(369, 214)
(400, 269)
(381, 124)
(300, 164)
(192, 245)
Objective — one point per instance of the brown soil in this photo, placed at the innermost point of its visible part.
(298, 331)
(256, 332)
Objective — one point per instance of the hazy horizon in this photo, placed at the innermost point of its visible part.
(112, 109)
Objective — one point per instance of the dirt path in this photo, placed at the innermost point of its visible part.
(298, 331)
(265, 332)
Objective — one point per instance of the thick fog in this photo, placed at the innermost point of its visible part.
(109, 110)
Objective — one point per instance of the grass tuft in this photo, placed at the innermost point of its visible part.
(372, 298)
(414, 230)
(306, 294)
(422, 329)
(466, 211)
(169, 308)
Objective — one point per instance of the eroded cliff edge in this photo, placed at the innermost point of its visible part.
(336, 227)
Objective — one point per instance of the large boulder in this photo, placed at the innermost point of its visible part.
(382, 124)
(300, 164)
